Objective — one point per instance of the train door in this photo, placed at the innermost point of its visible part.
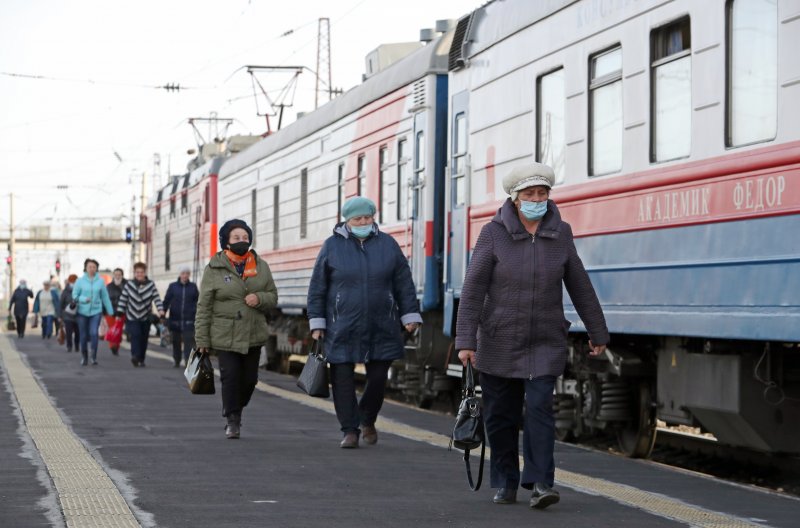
(417, 204)
(458, 200)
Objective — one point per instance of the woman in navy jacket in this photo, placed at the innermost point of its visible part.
(360, 298)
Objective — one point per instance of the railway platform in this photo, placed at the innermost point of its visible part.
(116, 446)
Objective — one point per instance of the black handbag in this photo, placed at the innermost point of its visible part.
(199, 373)
(314, 377)
(468, 433)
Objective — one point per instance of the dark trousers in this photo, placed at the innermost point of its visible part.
(47, 325)
(73, 335)
(502, 401)
(238, 376)
(22, 320)
(88, 326)
(351, 412)
(185, 337)
(139, 331)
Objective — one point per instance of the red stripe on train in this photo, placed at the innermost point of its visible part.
(751, 184)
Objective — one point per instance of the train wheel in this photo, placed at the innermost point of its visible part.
(637, 438)
(564, 409)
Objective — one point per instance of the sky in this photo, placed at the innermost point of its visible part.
(75, 141)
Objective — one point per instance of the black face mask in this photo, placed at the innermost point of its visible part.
(240, 248)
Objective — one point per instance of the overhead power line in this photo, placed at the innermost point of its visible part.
(169, 87)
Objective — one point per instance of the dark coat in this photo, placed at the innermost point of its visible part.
(511, 309)
(19, 300)
(181, 302)
(66, 299)
(115, 292)
(361, 293)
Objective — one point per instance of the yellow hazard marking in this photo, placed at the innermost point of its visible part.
(652, 503)
(88, 497)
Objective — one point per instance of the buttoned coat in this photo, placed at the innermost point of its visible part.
(511, 309)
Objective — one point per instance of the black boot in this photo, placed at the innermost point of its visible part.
(505, 496)
(232, 430)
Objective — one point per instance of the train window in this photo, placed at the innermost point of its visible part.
(158, 213)
(166, 252)
(184, 202)
(752, 73)
(172, 206)
(605, 112)
(341, 193)
(303, 203)
(207, 204)
(551, 136)
(276, 212)
(459, 157)
(362, 174)
(387, 195)
(671, 106)
(402, 179)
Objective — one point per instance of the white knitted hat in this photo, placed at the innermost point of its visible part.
(529, 175)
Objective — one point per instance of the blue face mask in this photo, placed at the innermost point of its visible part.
(533, 210)
(361, 231)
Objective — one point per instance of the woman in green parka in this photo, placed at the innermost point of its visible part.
(236, 293)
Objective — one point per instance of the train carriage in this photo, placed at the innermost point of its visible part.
(179, 225)
(384, 139)
(681, 179)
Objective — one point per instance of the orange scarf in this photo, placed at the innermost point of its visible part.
(249, 262)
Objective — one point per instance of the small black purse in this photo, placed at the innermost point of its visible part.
(314, 377)
(468, 433)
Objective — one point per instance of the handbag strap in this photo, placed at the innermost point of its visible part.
(318, 349)
(475, 486)
(468, 377)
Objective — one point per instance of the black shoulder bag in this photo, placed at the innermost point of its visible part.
(313, 380)
(468, 433)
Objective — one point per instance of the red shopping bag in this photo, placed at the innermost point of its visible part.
(114, 333)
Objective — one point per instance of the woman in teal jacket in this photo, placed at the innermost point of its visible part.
(91, 297)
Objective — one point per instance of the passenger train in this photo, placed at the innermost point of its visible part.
(673, 130)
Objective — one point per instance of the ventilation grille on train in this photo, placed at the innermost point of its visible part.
(419, 93)
(456, 56)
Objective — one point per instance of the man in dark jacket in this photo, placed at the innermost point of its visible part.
(181, 303)
(19, 300)
(360, 297)
(511, 326)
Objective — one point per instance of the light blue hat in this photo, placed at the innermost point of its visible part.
(358, 206)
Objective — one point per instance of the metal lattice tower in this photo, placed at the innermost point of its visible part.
(323, 60)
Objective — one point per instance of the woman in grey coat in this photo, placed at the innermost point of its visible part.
(511, 326)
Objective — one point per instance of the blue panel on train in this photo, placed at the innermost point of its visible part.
(735, 280)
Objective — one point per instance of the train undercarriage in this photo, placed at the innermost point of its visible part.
(746, 394)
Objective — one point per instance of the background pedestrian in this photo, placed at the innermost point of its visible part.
(69, 317)
(91, 298)
(181, 303)
(136, 304)
(360, 297)
(114, 293)
(47, 307)
(19, 302)
(511, 326)
(236, 293)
